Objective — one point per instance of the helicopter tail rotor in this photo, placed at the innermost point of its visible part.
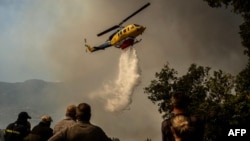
(88, 47)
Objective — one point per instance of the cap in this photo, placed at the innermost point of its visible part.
(46, 118)
(24, 115)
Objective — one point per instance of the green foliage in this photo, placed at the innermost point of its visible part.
(239, 6)
(243, 96)
(236, 108)
(162, 88)
(212, 94)
(245, 33)
(167, 82)
(243, 82)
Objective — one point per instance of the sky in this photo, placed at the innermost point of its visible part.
(45, 40)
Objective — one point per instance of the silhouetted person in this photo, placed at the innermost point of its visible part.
(18, 130)
(69, 120)
(42, 131)
(83, 130)
(182, 126)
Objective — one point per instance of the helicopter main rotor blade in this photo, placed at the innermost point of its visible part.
(136, 12)
(108, 30)
(119, 25)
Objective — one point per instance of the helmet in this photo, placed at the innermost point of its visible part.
(23, 115)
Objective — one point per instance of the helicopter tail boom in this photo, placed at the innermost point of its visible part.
(95, 48)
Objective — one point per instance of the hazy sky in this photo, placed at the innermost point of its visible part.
(45, 40)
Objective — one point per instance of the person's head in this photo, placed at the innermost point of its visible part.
(181, 127)
(46, 119)
(83, 112)
(179, 101)
(71, 111)
(23, 116)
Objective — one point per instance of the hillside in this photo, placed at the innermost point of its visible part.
(34, 96)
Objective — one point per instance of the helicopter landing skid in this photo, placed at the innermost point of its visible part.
(137, 41)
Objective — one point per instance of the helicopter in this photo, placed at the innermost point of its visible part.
(123, 37)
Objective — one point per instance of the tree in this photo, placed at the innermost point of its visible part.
(240, 103)
(212, 95)
(160, 90)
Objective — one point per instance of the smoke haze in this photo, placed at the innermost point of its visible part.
(45, 40)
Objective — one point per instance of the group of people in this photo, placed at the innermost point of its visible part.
(181, 126)
(75, 126)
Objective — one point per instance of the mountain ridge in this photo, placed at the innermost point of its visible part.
(34, 96)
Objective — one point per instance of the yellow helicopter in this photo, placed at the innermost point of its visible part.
(123, 37)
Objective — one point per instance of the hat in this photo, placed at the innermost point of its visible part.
(24, 115)
(46, 118)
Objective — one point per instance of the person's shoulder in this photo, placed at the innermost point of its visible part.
(197, 118)
(169, 117)
(167, 122)
(96, 127)
(10, 125)
(68, 120)
(62, 122)
(14, 125)
(36, 126)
